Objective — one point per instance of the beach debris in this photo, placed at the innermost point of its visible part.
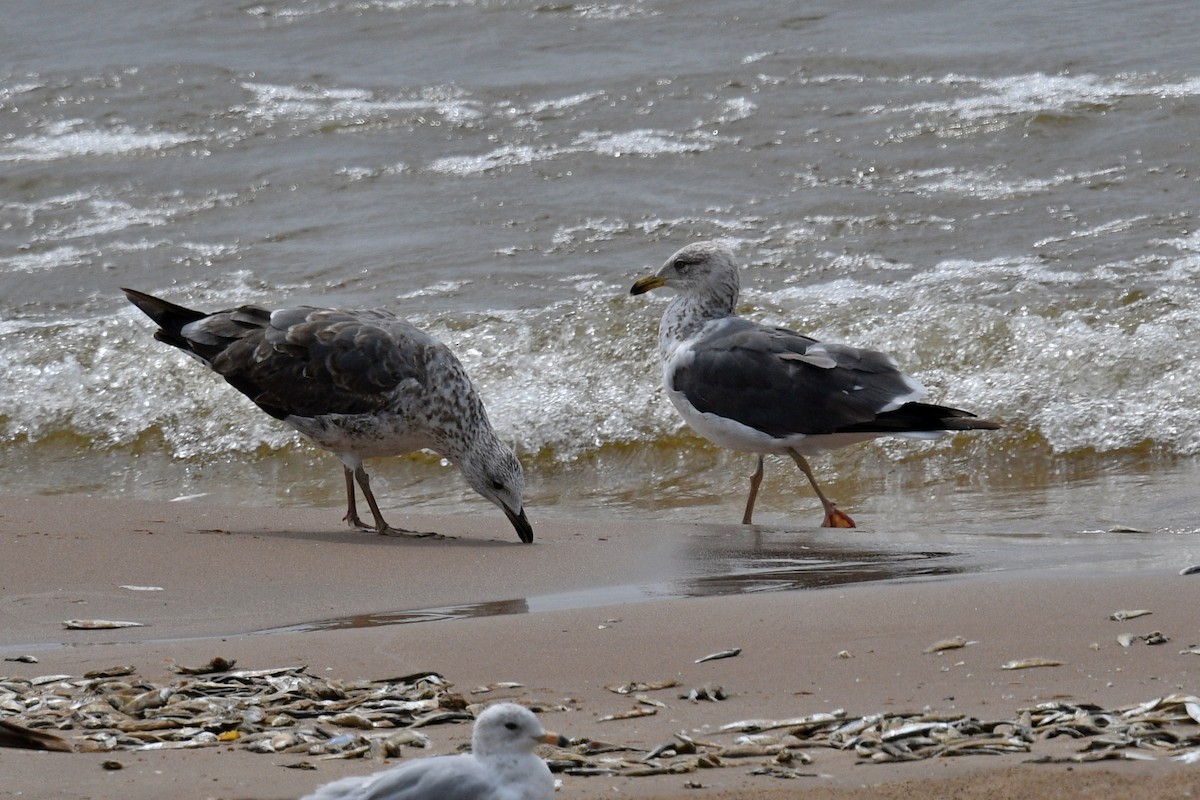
(111, 765)
(1192, 570)
(288, 712)
(24, 659)
(217, 664)
(98, 624)
(952, 643)
(1030, 663)
(491, 687)
(1190, 651)
(641, 686)
(647, 700)
(1126, 529)
(844, 654)
(709, 691)
(730, 653)
(143, 588)
(1152, 638)
(1121, 616)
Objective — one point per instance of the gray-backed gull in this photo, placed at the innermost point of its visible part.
(760, 389)
(501, 766)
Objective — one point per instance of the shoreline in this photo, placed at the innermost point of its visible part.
(225, 573)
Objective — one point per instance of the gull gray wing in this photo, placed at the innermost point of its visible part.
(783, 383)
(441, 777)
(310, 361)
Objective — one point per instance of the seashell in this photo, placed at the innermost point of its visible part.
(1126, 639)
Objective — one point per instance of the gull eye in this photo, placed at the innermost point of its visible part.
(512, 726)
(498, 485)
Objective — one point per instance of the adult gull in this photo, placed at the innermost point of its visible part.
(761, 389)
(502, 765)
(360, 384)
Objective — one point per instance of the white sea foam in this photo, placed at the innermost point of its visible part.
(73, 138)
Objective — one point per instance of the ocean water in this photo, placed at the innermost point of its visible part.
(1002, 195)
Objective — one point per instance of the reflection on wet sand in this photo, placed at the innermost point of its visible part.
(712, 567)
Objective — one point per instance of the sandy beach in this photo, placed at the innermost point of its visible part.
(283, 588)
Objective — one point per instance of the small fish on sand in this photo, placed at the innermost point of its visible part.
(98, 624)
(1031, 663)
(730, 653)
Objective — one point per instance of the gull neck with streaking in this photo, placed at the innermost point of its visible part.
(699, 300)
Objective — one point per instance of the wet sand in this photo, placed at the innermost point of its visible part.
(587, 605)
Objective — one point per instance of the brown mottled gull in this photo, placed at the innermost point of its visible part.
(360, 384)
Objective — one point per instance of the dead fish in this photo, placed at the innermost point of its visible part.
(633, 713)
(491, 687)
(1155, 637)
(952, 643)
(730, 653)
(1191, 651)
(42, 680)
(217, 664)
(1030, 663)
(1192, 570)
(110, 672)
(24, 659)
(143, 588)
(1121, 616)
(641, 686)
(756, 725)
(98, 624)
(646, 700)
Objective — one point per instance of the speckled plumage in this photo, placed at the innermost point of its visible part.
(762, 389)
(361, 384)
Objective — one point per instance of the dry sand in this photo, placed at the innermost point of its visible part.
(562, 626)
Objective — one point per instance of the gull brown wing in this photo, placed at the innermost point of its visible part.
(308, 361)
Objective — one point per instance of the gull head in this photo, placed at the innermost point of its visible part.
(510, 729)
(698, 268)
(492, 469)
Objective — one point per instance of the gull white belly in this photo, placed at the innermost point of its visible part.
(362, 435)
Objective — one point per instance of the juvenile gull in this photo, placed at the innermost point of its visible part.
(760, 389)
(360, 384)
(501, 766)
